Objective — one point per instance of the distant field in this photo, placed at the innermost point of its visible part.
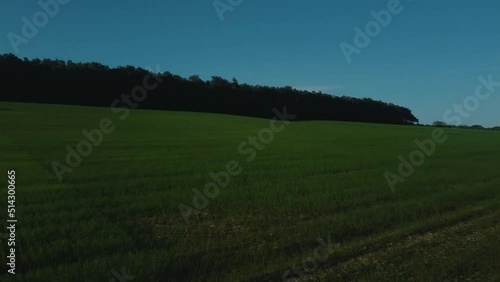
(119, 209)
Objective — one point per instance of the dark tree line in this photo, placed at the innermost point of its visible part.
(94, 84)
(475, 126)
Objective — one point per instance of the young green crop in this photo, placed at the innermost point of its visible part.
(117, 213)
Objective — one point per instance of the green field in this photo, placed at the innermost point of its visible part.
(119, 209)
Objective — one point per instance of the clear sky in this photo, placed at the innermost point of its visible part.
(427, 58)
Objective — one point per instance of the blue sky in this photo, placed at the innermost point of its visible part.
(427, 58)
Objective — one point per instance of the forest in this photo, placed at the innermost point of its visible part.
(56, 81)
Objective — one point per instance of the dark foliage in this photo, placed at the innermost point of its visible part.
(94, 84)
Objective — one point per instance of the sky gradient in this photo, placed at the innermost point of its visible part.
(427, 58)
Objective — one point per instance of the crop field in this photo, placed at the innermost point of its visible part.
(180, 196)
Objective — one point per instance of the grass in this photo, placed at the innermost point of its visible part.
(119, 208)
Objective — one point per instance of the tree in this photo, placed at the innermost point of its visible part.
(195, 79)
(439, 124)
(218, 81)
(95, 84)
